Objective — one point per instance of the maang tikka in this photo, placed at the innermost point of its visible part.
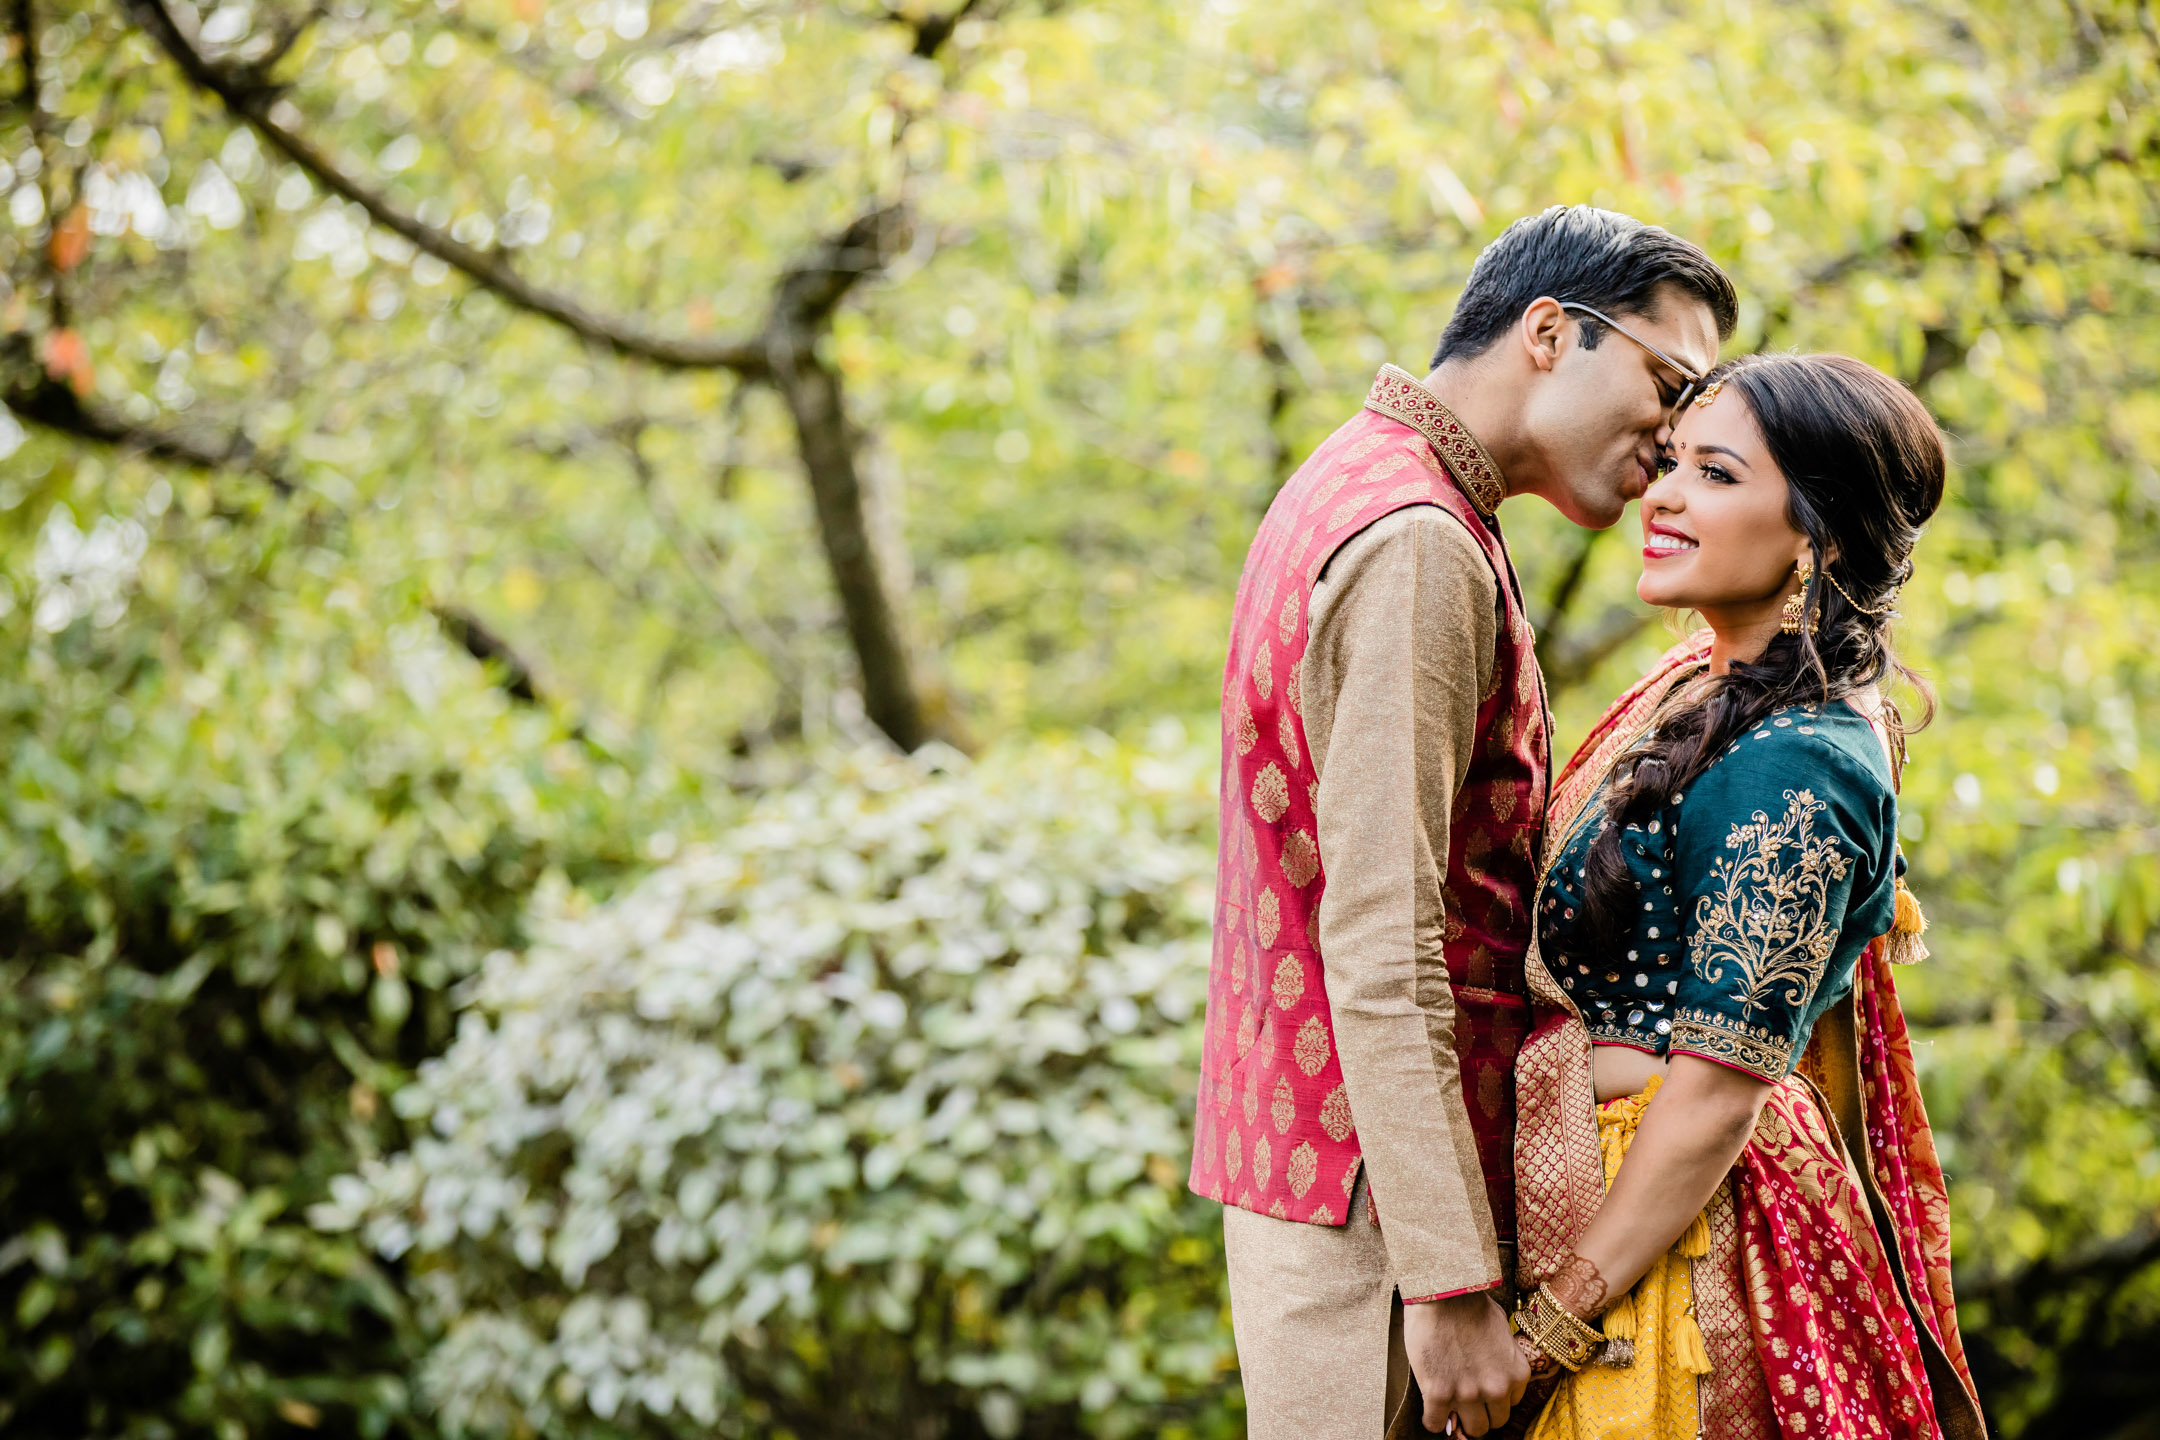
(1795, 614)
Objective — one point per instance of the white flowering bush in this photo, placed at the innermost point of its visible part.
(875, 1114)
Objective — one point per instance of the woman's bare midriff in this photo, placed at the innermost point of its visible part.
(1619, 1070)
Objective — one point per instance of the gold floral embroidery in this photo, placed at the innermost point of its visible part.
(1263, 670)
(1331, 486)
(1286, 734)
(1766, 925)
(1294, 689)
(1304, 1168)
(1270, 793)
(1289, 982)
(1397, 394)
(1247, 733)
(1252, 1107)
(1310, 1049)
(1263, 1159)
(1248, 1030)
(1300, 858)
(1240, 958)
(1268, 915)
(1286, 623)
(1279, 1210)
(1335, 1114)
(1283, 1108)
(1233, 1155)
(1365, 447)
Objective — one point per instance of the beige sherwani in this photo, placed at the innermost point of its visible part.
(1403, 629)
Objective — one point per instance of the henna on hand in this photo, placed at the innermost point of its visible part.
(1539, 1362)
(1579, 1287)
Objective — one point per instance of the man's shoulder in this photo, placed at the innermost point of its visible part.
(1436, 535)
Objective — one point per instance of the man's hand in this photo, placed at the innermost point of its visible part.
(1466, 1362)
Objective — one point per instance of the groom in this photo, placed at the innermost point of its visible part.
(1385, 743)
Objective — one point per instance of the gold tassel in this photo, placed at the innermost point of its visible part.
(1694, 1242)
(1902, 946)
(1692, 1354)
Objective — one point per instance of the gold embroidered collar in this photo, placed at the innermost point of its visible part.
(1397, 395)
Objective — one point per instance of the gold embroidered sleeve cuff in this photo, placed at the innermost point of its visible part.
(1759, 1051)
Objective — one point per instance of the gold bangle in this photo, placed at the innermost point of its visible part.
(1565, 1336)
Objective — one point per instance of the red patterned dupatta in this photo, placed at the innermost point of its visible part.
(1814, 1328)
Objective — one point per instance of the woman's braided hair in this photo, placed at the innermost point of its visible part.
(1864, 465)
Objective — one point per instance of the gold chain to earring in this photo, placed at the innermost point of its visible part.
(1795, 614)
(1875, 614)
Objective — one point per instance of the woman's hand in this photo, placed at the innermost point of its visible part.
(1689, 1138)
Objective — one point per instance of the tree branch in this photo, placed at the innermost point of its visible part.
(32, 393)
(931, 31)
(813, 288)
(784, 354)
(474, 636)
(46, 402)
(255, 100)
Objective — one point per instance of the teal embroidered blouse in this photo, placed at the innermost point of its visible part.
(1759, 886)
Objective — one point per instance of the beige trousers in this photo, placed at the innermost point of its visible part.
(1318, 1325)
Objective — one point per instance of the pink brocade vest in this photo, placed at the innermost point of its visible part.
(1274, 1132)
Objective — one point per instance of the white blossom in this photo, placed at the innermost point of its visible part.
(916, 1029)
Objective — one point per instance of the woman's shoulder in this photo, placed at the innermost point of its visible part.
(1828, 749)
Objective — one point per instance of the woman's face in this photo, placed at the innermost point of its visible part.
(1716, 538)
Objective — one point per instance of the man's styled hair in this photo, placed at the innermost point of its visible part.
(1600, 258)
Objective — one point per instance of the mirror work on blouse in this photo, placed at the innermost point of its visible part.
(1760, 884)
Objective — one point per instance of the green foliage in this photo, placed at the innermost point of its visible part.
(1157, 252)
(876, 1110)
(245, 850)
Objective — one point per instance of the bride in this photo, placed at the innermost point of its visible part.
(1732, 1222)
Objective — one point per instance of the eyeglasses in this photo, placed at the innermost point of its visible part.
(1687, 391)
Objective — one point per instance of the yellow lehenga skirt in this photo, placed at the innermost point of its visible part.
(1653, 1396)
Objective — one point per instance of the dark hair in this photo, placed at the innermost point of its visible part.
(1864, 466)
(1600, 258)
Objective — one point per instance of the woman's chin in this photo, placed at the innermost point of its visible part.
(1651, 591)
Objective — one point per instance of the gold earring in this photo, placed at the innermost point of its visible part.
(1795, 614)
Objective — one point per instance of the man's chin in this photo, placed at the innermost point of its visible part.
(1598, 512)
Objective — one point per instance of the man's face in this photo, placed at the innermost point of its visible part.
(1599, 417)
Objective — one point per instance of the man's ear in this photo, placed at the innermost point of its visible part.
(1544, 331)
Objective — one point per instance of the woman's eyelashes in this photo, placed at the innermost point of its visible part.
(1667, 462)
(1717, 474)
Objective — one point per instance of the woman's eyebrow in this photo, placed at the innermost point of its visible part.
(1722, 450)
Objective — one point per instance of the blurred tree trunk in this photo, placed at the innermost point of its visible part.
(892, 687)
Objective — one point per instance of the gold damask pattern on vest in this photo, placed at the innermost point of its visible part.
(1274, 1131)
